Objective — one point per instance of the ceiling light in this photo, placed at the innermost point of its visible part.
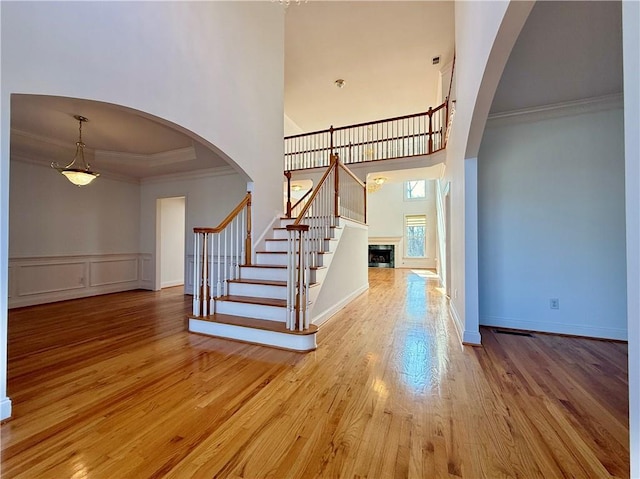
(296, 187)
(340, 83)
(376, 184)
(79, 174)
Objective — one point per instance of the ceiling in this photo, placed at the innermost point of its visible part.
(383, 51)
(119, 141)
(566, 51)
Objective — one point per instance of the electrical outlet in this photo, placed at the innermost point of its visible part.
(455, 293)
(554, 303)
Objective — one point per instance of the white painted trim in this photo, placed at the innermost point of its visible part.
(162, 158)
(295, 342)
(190, 175)
(472, 338)
(21, 295)
(171, 284)
(556, 110)
(328, 313)
(5, 408)
(260, 242)
(456, 320)
(572, 329)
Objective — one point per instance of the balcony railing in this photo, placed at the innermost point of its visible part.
(399, 137)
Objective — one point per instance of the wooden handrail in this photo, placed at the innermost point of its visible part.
(334, 160)
(368, 123)
(301, 199)
(246, 201)
(350, 173)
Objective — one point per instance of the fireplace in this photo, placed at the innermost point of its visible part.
(381, 256)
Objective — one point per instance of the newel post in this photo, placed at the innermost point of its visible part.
(288, 175)
(335, 159)
(430, 113)
(330, 141)
(247, 246)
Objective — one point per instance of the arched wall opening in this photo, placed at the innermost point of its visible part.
(161, 59)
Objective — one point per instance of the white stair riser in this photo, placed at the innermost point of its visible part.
(276, 274)
(284, 234)
(284, 222)
(270, 338)
(258, 290)
(281, 246)
(248, 310)
(276, 259)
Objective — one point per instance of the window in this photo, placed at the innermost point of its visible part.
(415, 235)
(415, 189)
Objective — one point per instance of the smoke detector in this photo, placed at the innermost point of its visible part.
(340, 83)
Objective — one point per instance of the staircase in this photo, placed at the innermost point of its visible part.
(267, 297)
(254, 307)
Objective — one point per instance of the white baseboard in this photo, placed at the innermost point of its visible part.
(556, 328)
(456, 320)
(5, 408)
(466, 337)
(329, 312)
(472, 338)
(171, 284)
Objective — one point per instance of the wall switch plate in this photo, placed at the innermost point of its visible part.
(554, 303)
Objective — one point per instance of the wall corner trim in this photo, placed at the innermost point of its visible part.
(5, 408)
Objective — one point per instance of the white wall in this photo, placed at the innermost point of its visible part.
(172, 241)
(348, 275)
(631, 49)
(51, 217)
(67, 242)
(215, 69)
(209, 198)
(478, 24)
(552, 225)
(386, 209)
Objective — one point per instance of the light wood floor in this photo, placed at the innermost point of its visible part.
(114, 387)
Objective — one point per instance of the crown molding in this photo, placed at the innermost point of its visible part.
(103, 174)
(119, 158)
(148, 161)
(556, 110)
(190, 175)
(43, 139)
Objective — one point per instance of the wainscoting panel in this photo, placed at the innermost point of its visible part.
(50, 278)
(38, 280)
(113, 271)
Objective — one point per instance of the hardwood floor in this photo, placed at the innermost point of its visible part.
(114, 387)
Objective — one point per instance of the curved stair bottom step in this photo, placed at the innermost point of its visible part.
(255, 331)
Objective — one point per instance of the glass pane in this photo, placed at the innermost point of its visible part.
(416, 241)
(416, 189)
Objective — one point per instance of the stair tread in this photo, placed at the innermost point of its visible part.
(284, 227)
(287, 239)
(280, 303)
(263, 324)
(266, 282)
(277, 266)
(285, 252)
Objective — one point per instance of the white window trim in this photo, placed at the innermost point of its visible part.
(405, 195)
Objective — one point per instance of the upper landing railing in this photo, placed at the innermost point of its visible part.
(399, 137)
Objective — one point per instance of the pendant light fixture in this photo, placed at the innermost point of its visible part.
(78, 171)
